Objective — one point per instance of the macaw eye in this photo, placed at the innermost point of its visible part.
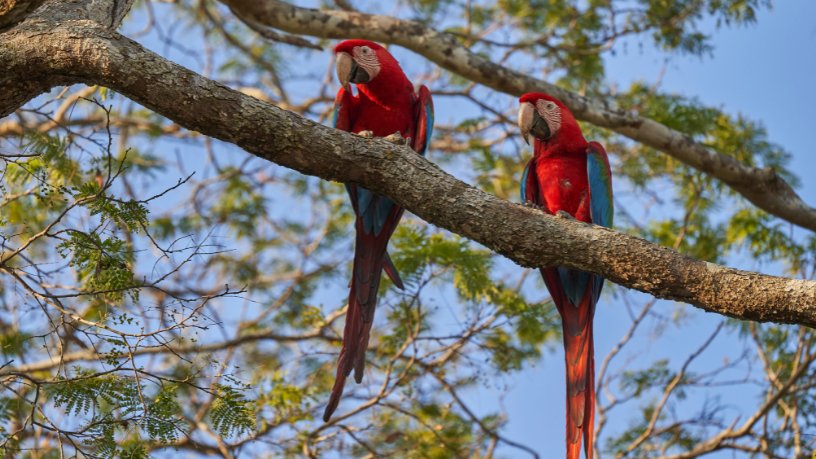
(550, 106)
(367, 59)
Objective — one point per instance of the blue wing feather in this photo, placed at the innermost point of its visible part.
(381, 211)
(524, 175)
(529, 184)
(601, 205)
(599, 176)
(364, 198)
(429, 117)
(336, 114)
(574, 283)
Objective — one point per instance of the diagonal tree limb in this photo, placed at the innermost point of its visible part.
(87, 52)
(762, 186)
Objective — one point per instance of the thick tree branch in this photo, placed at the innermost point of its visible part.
(107, 13)
(86, 52)
(39, 14)
(763, 187)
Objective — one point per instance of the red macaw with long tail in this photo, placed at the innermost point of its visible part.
(386, 104)
(569, 174)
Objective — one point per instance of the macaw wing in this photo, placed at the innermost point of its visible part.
(424, 120)
(343, 114)
(599, 175)
(345, 105)
(601, 205)
(529, 184)
(374, 212)
(342, 119)
(574, 283)
(371, 208)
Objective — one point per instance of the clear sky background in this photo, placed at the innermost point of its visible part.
(767, 72)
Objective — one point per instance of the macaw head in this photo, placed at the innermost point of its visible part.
(543, 117)
(363, 61)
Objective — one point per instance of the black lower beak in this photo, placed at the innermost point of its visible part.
(540, 129)
(358, 74)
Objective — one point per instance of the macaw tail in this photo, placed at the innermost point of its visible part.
(575, 294)
(370, 259)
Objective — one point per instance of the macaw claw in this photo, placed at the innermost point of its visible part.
(564, 214)
(366, 134)
(532, 205)
(397, 139)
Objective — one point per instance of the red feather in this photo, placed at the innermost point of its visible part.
(557, 181)
(384, 105)
(369, 262)
(576, 324)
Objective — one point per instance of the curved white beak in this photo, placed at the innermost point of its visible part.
(343, 64)
(525, 120)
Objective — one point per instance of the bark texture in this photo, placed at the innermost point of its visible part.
(14, 11)
(88, 51)
(762, 186)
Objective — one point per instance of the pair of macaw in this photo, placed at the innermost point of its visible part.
(566, 174)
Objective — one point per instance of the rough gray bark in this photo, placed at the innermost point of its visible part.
(763, 187)
(83, 51)
(18, 88)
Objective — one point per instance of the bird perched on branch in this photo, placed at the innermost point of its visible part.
(569, 175)
(386, 105)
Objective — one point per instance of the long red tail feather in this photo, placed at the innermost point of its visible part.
(576, 322)
(369, 261)
(347, 354)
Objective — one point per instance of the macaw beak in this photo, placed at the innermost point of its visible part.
(525, 120)
(532, 124)
(349, 72)
(343, 65)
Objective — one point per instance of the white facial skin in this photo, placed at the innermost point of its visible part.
(551, 113)
(547, 110)
(367, 59)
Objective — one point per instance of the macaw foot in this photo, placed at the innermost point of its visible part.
(366, 134)
(564, 214)
(397, 139)
(532, 205)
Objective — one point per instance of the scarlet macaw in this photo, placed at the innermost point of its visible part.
(569, 174)
(386, 103)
